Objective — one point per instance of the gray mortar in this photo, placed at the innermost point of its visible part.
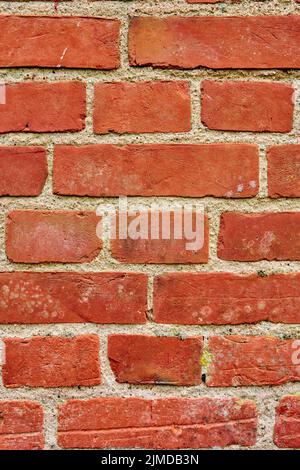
(265, 397)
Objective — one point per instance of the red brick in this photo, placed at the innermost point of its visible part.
(51, 361)
(32, 41)
(225, 298)
(258, 42)
(247, 106)
(259, 236)
(160, 251)
(250, 360)
(157, 170)
(52, 236)
(23, 171)
(21, 425)
(127, 107)
(172, 423)
(284, 171)
(43, 107)
(287, 424)
(140, 359)
(71, 297)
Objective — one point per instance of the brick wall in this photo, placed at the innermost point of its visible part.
(143, 343)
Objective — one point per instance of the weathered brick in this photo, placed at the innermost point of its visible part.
(21, 425)
(66, 72)
(43, 107)
(247, 106)
(52, 236)
(157, 170)
(127, 107)
(141, 359)
(77, 42)
(225, 298)
(71, 297)
(250, 360)
(161, 250)
(284, 171)
(254, 42)
(259, 236)
(51, 361)
(172, 423)
(287, 424)
(23, 171)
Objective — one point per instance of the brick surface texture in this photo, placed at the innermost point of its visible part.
(115, 333)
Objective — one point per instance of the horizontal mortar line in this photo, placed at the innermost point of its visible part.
(146, 327)
(136, 9)
(157, 270)
(62, 393)
(147, 393)
(205, 136)
(195, 74)
(230, 266)
(186, 330)
(162, 427)
(194, 137)
(214, 204)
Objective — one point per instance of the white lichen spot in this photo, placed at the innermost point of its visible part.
(261, 305)
(27, 298)
(120, 289)
(266, 243)
(206, 310)
(86, 295)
